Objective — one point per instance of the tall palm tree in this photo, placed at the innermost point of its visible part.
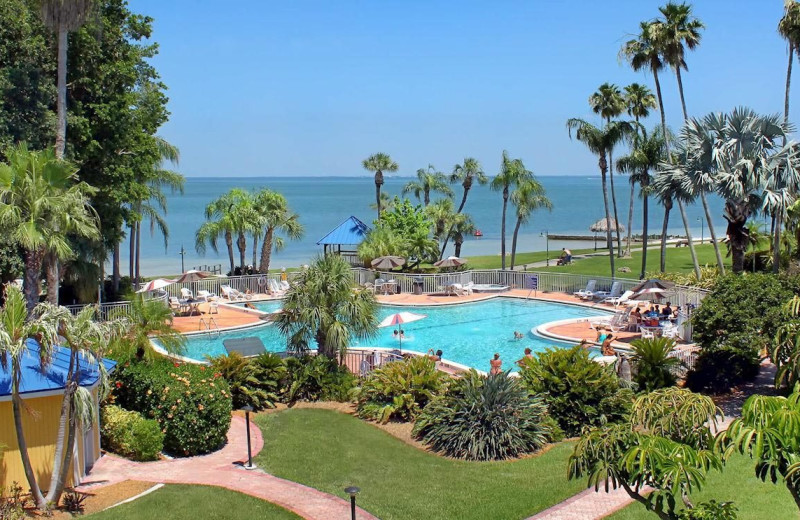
(62, 17)
(42, 204)
(275, 218)
(428, 180)
(609, 103)
(379, 163)
(599, 141)
(388, 202)
(322, 307)
(528, 197)
(462, 225)
(442, 214)
(646, 154)
(512, 173)
(638, 102)
(224, 217)
(467, 173)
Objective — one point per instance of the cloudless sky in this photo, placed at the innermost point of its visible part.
(296, 88)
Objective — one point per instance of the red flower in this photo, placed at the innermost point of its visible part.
(119, 385)
(177, 364)
(202, 368)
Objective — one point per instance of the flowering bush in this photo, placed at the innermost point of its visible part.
(191, 403)
(127, 433)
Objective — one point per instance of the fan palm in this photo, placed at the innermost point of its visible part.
(275, 216)
(468, 173)
(226, 215)
(149, 319)
(428, 180)
(599, 141)
(41, 205)
(512, 173)
(528, 197)
(608, 102)
(379, 163)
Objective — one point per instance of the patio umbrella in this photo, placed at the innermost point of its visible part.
(388, 262)
(397, 320)
(193, 276)
(450, 261)
(154, 285)
(651, 288)
(601, 226)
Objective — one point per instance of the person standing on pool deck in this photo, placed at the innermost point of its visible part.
(496, 364)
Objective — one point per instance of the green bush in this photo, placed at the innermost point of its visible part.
(484, 418)
(711, 510)
(578, 392)
(129, 434)
(191, 403)
(399, 390)
(254, 382)
(317, 378)
(653, 364)
(735, 322)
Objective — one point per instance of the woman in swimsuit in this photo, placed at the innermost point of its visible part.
(496, 364)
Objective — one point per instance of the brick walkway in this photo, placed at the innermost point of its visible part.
(587, 505)
(223, 469)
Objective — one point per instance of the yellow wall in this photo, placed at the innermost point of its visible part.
(40, 422)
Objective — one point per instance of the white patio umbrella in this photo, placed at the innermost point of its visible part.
(388, 262)
(450, 261)
(154, 285)
(397, 320)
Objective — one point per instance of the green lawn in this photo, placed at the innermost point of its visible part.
(493, 261)
(329, 451)
(178, 502)
(755, 499)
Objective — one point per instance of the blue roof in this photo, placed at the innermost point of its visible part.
(351, 232)
(54, 375)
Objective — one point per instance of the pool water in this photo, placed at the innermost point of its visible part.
(468, 333)
(264, 305)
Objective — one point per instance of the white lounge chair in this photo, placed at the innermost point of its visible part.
(206, 296)
(455, 289)
(187, 293)
(230, 293)
(625, 298)
(587, 293)
(284, 285)
(615, 292)
(275, 288)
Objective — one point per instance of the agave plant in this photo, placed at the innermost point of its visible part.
(654, 366)
(485, 418)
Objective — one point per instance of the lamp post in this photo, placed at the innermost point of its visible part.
(546, 234)
(183, 254)
(352, 491)
(247, 409)
(702, 228)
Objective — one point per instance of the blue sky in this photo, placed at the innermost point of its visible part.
(267, 88)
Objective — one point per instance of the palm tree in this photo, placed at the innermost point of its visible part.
(146, 320)
(441, 213)
(646, 154)
(512, 173)
(62, 17)
(638, 100)
(468, 173)
(379, 163)
(427, 181)
(225, 216)
(42, 204)
(275, 216)
(527, 198)
(599, 141)
(388, 203)
(462, 225)
(609, 102)
(322, 307)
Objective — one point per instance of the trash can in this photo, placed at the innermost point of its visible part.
(418, 283)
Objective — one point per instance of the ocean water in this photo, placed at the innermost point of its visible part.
(324, 202)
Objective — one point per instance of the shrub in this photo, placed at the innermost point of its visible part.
(73, 501)
(711, 510)
(254, 382)
(191, 404)
(484, 418)
(653, 364)
(129, 434)
(399, 390)
(736, 321)
(578, 392)
(13, 503)
(317, 378)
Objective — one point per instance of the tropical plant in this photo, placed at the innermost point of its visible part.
(274, 217)
(599, 141)
(785, 350)
(428, 180)
(769, 432)
(484, 418)
(462, 224)
(789, 29)
(323, 307)
(147, 320)
(512, 173)
(129, 434)
(399, 390)
(231, 214)
(379, 163)
(381, 241)
(42, 204)
(653, 364)
(248, 383)
(387, 202)
(317, 378)
(608, 102)
(528, 197)
(411, 233)
(578, 392)
(666, 444)
(468, 173)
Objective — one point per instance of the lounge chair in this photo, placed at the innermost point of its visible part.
(275, 288)
(206, 296)
(625, 298)
(230, 293)
(615, 292)
(468, 288)
(187, 294)
(587, 293)
(455, 289)
(284, 285)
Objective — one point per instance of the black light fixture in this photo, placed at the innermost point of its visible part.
(247, 409)
(546, 234)
(352, 491)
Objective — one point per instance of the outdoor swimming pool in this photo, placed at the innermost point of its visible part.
(264, 305)
(468, 333)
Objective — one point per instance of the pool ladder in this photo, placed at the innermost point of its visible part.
(210, 326)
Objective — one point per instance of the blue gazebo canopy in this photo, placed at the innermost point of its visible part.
(350, 232)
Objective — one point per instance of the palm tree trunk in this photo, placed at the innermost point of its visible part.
(241, 244)
(36, 492)
(115, 274)
(614, 200)
(266, 251)
(61, 99)
(776, 242)
(661, 110)
(667, 209)
(713, 233)
(503, 231)
(132, 251)
(514, 242)
(33, 274)
(426, 198)
(692, 252)
(609, 244)
(378, 183)
(52, 274)
(229, 245)
(447, 238)
(255, 249)
(463, 200)
(138, 252)
(668, 202)
(459, 240)
(63, 424)
(644, 237)
(788, 84)
(630, 220)
(680, 89)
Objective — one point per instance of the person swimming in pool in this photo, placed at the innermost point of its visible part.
(518, 335)
(496, 364)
